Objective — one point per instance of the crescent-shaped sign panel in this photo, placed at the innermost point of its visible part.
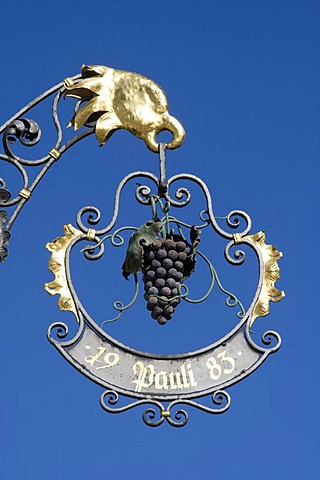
(138, 374)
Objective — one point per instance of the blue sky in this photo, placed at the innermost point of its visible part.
(243, 78)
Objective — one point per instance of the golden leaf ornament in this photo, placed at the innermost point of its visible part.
(57, 265)
(117, 99)
(270, 274)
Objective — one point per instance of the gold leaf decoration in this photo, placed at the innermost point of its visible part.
(57, 265)
(54, 266)
(119, 99)
(270, 274)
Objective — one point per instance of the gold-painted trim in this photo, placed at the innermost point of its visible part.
(68, 82)
(59, 286)
(270, 274)
(237, 237)
(91, 234)
(165, 413)
(55, 153)
(25, 193)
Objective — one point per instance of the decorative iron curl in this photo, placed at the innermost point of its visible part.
(58, 332)
(60, 329)
(235, 222)
(150, 415)
(237, 257)
(271, 339)
(219, 397)
(93, 217)
(179, 418)
(180, 193)
(94, 252)
(142, 194)
(109, 398)
(26, 130)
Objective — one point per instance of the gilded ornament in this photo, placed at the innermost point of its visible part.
(25, 193)
(117, 99)
(270, 274)
(55, 153)
(91, 233)
(60, 286)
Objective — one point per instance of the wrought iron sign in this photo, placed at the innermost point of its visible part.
(159, 257)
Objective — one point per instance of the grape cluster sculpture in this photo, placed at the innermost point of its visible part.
(165, 263)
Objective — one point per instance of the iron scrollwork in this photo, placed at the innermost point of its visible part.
(28, 133)
(174, 417)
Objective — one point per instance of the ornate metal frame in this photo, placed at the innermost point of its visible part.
(161, 381)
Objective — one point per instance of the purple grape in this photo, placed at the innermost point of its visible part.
(148, 285)
(153, 291)
(179, 266)
(171, 283)
(172, 273)
(169, 244)
(155, 264)
(166, 291)
(181, 246)
(174, 303)
(152, 302)
(157, 312)
(168, 312)
(161, 254)
(150, 274)
(168, 309)
(160, 282)
(174, 292)
(172, 254)
(182, 256)
(162, 320)
(161, 272)
(167, 263)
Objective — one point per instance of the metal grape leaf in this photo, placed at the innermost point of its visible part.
(146, 234)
